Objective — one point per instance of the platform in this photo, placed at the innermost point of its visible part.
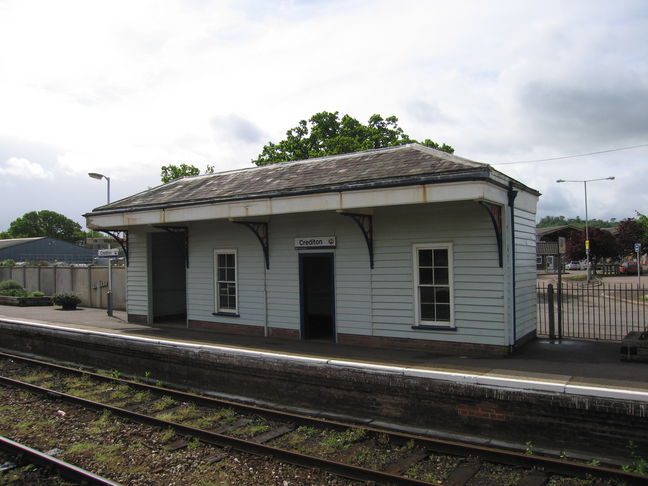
(589, 364)
(570, 396)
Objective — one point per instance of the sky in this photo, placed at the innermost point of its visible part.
(122, 88)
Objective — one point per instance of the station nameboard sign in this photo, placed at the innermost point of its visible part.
(108, 253)
(315, 242)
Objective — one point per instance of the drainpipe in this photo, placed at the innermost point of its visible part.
(511, 203)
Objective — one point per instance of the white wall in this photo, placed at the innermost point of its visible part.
(478, 279)
(137, 281)
(378, 302)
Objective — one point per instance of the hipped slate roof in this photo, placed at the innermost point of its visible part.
(18, 241)
(402, 165)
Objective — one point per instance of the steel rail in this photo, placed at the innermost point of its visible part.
(64, 469)
(341, 469)
(497, 455)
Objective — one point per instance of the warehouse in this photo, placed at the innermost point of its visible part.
(398, 247)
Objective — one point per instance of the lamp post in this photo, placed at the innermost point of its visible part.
(587, 243)
(109, 303)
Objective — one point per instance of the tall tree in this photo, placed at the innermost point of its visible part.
(643, 220)
(45, 223)
(325, 133)
(602, 244)
(171, 172)
(577, 222)
(629, 232)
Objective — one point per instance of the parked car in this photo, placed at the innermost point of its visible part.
(576, 265)
(629, 268)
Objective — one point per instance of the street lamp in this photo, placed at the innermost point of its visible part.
(587, 245)
(109, 303)
(94, 175)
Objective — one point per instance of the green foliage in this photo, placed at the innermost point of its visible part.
(639, 465)
(66, 299)
(11, 288)
(8, 262)
(629, 232)
(642, 219)
(37, 293)
(602, 245)
(577, 222)
(326, 133)
(45, 224)
(172, 172)
(529, 448)
(14, 293)
(10, 285)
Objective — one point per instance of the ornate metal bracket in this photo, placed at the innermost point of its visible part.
(177, 230)
(122, 241)
(495, 213)
(260, 230)
(365, 223)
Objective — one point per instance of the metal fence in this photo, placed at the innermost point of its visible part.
(596, 311)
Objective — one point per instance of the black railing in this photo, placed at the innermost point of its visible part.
(597, 311)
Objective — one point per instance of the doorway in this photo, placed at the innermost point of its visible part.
(169, 277)
(317, 292)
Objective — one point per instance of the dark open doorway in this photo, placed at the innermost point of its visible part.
(169, 282)
(317, 296)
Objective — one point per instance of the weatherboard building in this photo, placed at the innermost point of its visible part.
(399, 247)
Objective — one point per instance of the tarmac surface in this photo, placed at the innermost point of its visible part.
(595, 364)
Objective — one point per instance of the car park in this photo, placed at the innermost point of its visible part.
(629, 268)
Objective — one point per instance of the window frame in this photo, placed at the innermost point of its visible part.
(420, 323)
(219, 310)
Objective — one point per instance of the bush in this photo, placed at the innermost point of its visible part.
(14, 292)
(37, 293)
(66, 299)
(7, 263)
(10, 285)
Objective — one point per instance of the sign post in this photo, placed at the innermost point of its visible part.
(562, 249)
(109, 253)
(637, 248)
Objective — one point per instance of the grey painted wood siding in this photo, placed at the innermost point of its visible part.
(351, 271)
(376, 302)
(204, 238)
(525, 272)
(282, 280)
(479, 314)
(137, 278)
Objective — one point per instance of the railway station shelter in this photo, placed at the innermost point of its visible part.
(398, 247)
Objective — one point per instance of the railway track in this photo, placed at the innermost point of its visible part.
(17, 455)
(357, 452)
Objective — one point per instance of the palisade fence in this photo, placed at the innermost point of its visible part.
(88, 282)
(597, 311)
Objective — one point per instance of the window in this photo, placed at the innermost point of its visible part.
(433, 277)
(226, 281)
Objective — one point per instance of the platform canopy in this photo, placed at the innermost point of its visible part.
(406, 174)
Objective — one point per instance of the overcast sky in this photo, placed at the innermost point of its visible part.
(124, 87)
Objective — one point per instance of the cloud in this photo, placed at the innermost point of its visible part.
(592, 112)
(24, 169)
(235, 128)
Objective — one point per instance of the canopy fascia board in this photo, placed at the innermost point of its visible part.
(330, 201)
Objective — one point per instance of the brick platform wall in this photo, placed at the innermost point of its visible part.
(591, 426)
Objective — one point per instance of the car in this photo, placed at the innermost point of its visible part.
(629, 268)
(574, 265)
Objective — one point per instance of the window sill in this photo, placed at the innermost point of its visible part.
(434, 328)
(228, 314)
